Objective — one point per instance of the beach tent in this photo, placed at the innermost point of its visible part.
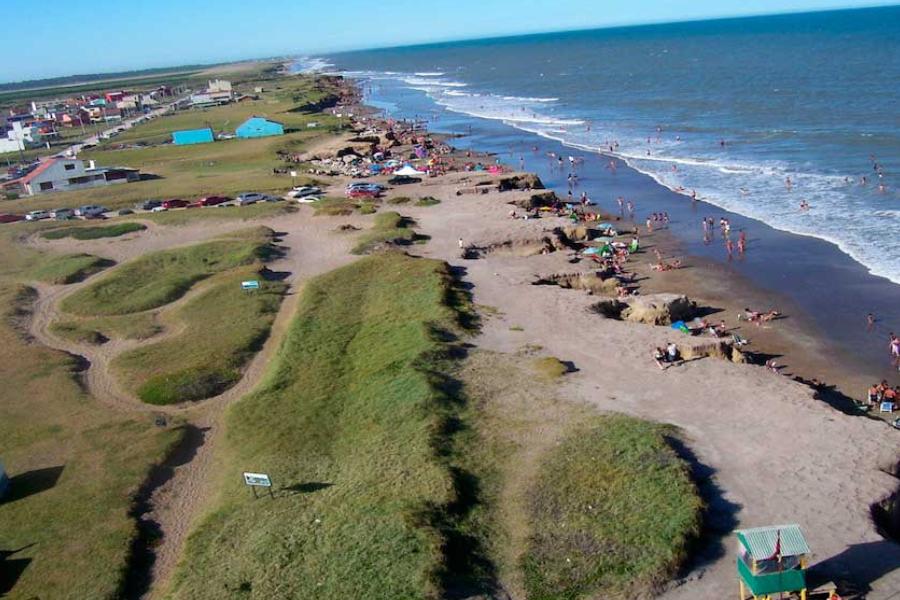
(409, 171)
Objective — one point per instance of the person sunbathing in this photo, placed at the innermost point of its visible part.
(660, 358)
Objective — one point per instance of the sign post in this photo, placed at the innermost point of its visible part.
(255, 480)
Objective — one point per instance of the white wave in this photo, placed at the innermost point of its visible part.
(311, 64)
(425, 73)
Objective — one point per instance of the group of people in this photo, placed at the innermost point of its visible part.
(882, 392)
(666, 356)
(757, 317)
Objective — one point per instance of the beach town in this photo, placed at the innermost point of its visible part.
(307, 348)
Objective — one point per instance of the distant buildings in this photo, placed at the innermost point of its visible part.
(19, 137)
(256, 127)
(192, 136)
(217, 93)
(62, 174)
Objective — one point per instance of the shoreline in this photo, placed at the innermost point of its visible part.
(800, 344)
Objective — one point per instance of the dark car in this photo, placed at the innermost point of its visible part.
(403, 180)
(212, 200)
(149, 204)
(125, 211)
(174, 203)
(7, 218)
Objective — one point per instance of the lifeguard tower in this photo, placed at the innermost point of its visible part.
(772, 560)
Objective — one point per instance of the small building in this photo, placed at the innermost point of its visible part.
(58, 174)
(192, 136)
(217, 93)
(772, 560)
(256, 127)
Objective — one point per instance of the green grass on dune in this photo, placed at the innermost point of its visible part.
(96, 330)
(224, 327)
(69, 268)
(74, 467)
(93, 233)
(162, 277)
(388, 227)
(348, 424)
(613, 512)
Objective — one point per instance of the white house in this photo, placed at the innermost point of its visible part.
(62, 174)
(19, 138)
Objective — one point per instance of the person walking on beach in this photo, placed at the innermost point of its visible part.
(742, 242)
(729, 247)
(895, 349)
(461, 243)
(870, 322)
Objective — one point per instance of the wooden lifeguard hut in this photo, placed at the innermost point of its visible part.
(772, 560)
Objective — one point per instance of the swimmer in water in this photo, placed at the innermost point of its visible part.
(788, 184)
(804, 205)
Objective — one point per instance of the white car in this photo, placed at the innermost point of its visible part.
(90, 210)
(304, 190)
(159, 208)
(308, 199)
(37, 215)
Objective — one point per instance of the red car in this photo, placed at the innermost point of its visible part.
(362, 193)
(7, 218)
(174, 203)
(212, 200)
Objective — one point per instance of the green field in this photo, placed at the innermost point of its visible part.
(69, 268)
(348, 423)
(162, 277)
(74, 464)
(93, 233)
(613, 512)
(224, 327)
(226, 168)
(96, 330)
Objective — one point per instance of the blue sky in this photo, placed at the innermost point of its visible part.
(56, 37)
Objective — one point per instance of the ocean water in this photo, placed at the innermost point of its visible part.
(814, 98)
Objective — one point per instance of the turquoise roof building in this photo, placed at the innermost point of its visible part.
(192, 136)
(256, 127)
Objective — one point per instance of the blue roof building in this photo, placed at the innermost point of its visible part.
(256, 127)
(192, 136)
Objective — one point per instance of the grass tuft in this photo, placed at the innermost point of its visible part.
(388, 228)
(93, 233)
(427, 201)
(613, 512)
(549, 368)
(70, 268)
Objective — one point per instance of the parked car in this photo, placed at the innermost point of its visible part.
(175, 203)
(37, 215)
(159, 208)
(305, 190)
(212, 200)
(362, 185)
(363, 193)
(149, 204)
(250, 198)
(125, 211)
(63, 214)
(403, 180)
(308, 199)
(8, 218)
(90, 210)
